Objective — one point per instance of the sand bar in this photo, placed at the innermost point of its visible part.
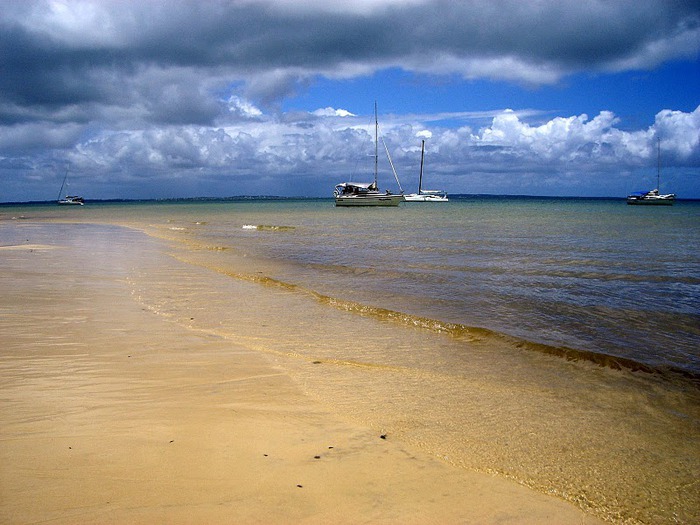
(111, 413)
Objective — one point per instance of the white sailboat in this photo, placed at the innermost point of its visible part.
(425, 195)
(69, 199)
(653, 197)
(368, 193)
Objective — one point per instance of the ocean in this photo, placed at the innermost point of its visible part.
(552, 341)
(592, 275)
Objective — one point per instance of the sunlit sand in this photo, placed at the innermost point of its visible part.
(112, 413)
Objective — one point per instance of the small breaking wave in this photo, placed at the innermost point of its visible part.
(30, 247)
(267, 227)
(475, 334)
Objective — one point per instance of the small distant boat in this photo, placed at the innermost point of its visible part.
(72, 199)
(69, 199)
(425, 195)
(653, 197)
(364, 194)
(368, 193)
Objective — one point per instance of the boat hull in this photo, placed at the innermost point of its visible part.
(651, 200)
(369, 200)
(71, 201)
(426, 198)
(657, 202)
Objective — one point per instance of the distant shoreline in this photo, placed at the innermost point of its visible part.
(248, 198)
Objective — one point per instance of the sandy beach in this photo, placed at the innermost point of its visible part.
(111, 413)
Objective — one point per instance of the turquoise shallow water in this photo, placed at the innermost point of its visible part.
(593, 275)
(341, 299)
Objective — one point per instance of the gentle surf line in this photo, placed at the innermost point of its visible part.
(29, 247)
(464, 332)
(253, 344)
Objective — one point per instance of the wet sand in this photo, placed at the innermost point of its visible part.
(111, 413)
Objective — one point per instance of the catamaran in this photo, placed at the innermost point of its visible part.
(653, 197)
(368, 193)
(69, 199)
(425, 195)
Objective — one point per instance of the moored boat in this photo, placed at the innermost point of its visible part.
(653, 197)
(368, 193)
(72, 199)
(75, 200)
(425, 195)
(364, 194)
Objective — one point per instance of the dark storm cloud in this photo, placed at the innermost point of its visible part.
(55, 54)
(125, 88)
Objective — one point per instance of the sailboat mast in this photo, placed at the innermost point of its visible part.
(658, 163)
(391, 163)
(60, 192)
(420, 177)
(376, 143)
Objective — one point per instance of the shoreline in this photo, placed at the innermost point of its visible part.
(116, 413)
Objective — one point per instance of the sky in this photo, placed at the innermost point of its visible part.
(157, 99)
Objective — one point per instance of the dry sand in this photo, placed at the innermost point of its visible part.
(112, 414)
